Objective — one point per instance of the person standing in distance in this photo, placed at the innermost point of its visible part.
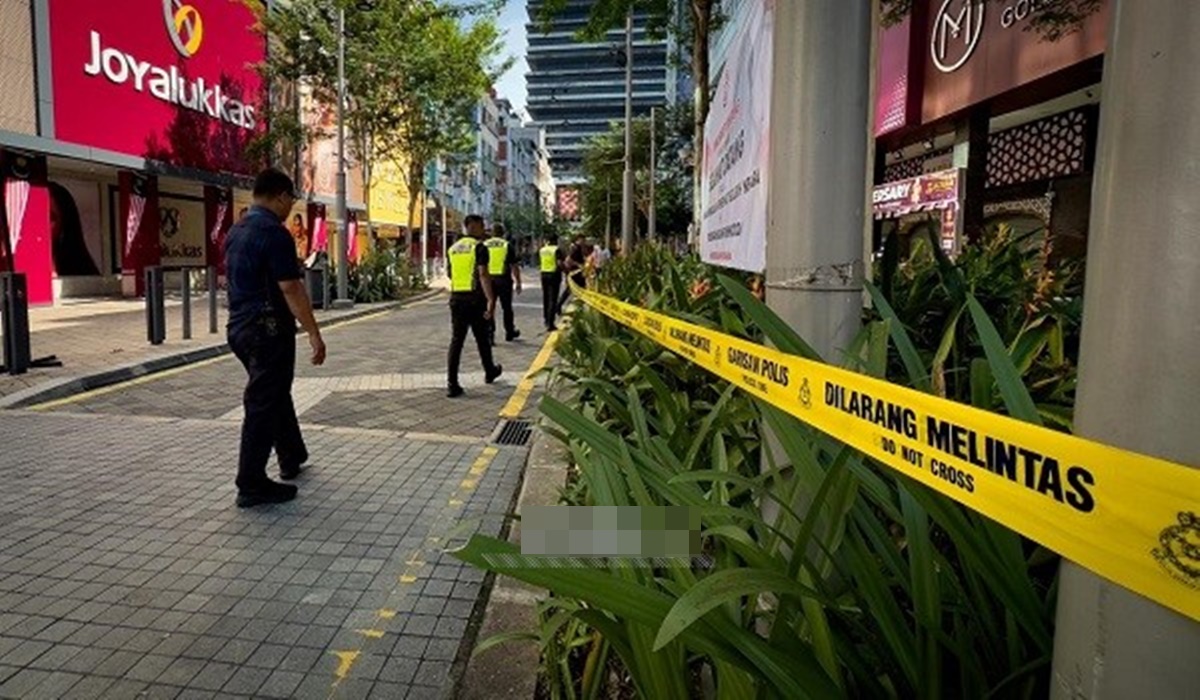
(550, 260)
(266, 298)
(574, 267)
(472, 303)
(505, 271)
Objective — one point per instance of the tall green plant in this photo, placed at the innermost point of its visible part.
(866, 585)
(1034, 300)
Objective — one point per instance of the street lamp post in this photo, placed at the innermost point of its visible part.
(652, 212)
(425, 235)
(627, 189)
(343, 271)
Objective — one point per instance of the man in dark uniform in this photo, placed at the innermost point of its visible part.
(505, 271)
(266, 298)
(550, 261)
(472, 303)
(573, 265)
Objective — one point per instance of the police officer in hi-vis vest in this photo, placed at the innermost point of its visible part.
(472, 303)
(505, 272)
(550, 259)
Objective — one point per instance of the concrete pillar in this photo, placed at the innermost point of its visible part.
(820, 128)
(1139, 376)
(970, 154)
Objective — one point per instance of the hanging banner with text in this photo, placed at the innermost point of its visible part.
(733, 196)
(1130, 518)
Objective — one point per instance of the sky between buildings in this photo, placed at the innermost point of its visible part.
(512, 27)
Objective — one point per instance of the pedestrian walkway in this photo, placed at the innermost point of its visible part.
(99, 336)
(126, 572)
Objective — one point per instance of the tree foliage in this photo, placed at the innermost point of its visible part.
(414, 72)
(603, 166)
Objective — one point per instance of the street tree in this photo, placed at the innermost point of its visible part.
(603, 166)
(694, 30)
(412, 72)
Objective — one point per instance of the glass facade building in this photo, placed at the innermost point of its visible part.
(577, 89)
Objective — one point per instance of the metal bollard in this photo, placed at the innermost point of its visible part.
(14, 308)
(156, 313)
(186, 277)
(212, 299)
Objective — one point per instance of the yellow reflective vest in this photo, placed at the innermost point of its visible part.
(497, 256)
(549, 259)
(462, 265)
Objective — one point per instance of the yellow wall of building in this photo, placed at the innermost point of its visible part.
(390, 197)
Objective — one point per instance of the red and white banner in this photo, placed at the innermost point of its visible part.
(318, 227)
(143, 240)
(137, 210)
(352, 237)
(16, 198)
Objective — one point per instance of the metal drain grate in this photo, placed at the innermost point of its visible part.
(513, 432)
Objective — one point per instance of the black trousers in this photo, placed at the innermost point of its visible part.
(466, 313)
(551, 283)
(504, 298)
(580, 279)
(267, 349)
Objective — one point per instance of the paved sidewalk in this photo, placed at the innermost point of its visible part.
(95, 337)
(126, 572)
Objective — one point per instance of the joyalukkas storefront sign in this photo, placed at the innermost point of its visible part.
(169, 80)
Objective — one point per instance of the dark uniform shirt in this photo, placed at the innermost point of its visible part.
(259, 254)
(578, 257)
(481, 260)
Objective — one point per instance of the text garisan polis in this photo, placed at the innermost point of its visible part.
(167, 84)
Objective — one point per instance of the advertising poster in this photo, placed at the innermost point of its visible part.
(733, 224)
(182, 227)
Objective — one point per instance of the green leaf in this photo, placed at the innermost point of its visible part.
(777, 331)
(505, 638)
(1016, 397)
(717, 589)
(791, 677)
(904, 345)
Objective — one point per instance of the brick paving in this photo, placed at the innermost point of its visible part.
(91, 337)
(126, 572)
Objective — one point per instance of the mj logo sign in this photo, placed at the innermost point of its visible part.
(956, 31)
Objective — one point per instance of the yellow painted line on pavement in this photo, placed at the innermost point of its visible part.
(413, 563)
(456, 501)
(144, 379)
(346, 660)
(516, 403)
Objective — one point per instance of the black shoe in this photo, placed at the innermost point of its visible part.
(551, 328)
(491, 375)
(291, 471)
(271, 492)
(512, 336)
(454, 392)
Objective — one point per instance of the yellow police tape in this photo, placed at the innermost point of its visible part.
(1130, 518)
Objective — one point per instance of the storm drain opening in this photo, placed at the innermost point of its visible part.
(513, 432)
